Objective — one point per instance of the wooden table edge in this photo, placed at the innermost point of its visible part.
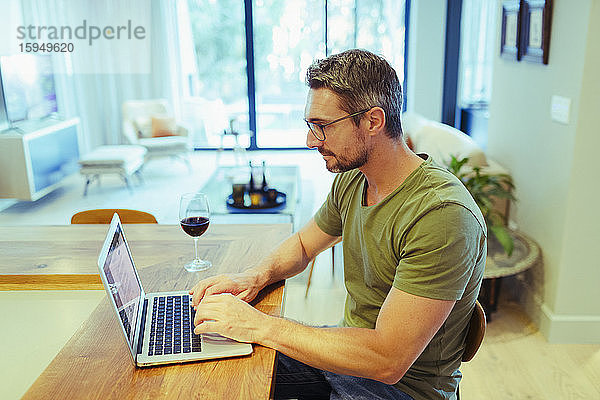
(50, 282)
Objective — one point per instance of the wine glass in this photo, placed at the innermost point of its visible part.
(194, 216)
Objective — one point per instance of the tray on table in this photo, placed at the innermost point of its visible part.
(264, 207)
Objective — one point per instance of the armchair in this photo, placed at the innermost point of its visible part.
(149, 124)
(442, 141)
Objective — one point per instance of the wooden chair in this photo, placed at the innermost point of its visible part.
(104, 216)
(312, 266)
(475, 335)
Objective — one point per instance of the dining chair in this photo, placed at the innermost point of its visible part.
(312, 266)
(475, 336)
(104, 216)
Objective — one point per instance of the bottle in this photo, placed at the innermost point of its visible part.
(256, 196)
(264, 187)
(251, 183)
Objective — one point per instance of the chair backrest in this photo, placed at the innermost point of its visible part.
(104, 216)
(475, 334)
(134, 109)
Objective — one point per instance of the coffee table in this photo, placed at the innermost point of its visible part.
(284, 178)
(499, 265)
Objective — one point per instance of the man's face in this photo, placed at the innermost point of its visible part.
(344, 147)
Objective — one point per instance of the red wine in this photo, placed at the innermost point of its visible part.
(195, 226)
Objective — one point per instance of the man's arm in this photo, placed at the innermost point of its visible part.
(290, 258)
(294, 254)
(404, 327)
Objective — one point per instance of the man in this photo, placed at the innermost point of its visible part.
(414, 244)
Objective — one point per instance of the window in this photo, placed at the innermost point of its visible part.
(219, 84)
(477, 50)
(286, 36)
(375, 25)
(478, 35)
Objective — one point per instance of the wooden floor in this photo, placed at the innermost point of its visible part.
(516, 362)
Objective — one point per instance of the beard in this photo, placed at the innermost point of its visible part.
(352, 158)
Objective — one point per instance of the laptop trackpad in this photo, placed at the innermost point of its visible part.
(214, 339)
(215, 343)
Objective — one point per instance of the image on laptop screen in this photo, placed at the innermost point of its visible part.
(124, 285)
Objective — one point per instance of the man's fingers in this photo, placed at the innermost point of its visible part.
(207, 327)
(241, 295)
(198, 319)
(244, 295)
(199, 291)
(206, 312)
(217, 285)
(197, 295)
(220, 288)
(212, 290)
(195, 289)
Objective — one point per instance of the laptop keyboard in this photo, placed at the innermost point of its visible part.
(171, 331)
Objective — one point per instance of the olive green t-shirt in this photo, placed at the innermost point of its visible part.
(426, 238)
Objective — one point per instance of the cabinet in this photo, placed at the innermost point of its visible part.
(34, 163)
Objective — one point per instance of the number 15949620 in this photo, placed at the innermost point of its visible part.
(46, 47)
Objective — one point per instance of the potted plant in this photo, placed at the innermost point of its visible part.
(485, 188)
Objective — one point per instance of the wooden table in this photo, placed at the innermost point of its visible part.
(95, 362)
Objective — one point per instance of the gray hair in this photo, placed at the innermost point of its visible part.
(361, 80)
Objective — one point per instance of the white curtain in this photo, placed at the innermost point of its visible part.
(478, 35)
(94, 87)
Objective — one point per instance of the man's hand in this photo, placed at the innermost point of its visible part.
(290, 258)
(243, 285)
(230, 317)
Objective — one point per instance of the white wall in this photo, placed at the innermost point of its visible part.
(577, 289)
(426, 48)
(554, 169)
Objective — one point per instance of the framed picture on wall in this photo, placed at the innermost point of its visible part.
(536, 17)
(511, 24)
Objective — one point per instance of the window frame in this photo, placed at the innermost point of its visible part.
(250, 70)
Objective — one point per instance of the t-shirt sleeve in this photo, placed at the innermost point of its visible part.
(439, 253)
(328, 217)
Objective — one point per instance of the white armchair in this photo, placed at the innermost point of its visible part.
(442, 141)
(148, 123)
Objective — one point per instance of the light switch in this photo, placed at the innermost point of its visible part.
(560, 109)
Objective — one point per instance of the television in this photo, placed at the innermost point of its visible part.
(28, 87)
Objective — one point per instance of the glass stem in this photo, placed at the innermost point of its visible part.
(196, 249)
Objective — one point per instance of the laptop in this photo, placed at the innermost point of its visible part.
(157, 327)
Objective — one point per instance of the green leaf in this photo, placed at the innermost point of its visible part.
(486, 202)
(504, 238)
(456, 165)
(485, 189)
(494, 218)
(500, 193)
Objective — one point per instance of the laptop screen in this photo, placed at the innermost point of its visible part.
(123, 282)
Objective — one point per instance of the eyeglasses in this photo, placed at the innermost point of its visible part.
(318, 130)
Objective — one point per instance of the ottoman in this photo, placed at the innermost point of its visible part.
(124, 160)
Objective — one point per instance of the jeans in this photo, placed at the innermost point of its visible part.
(296, 380)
